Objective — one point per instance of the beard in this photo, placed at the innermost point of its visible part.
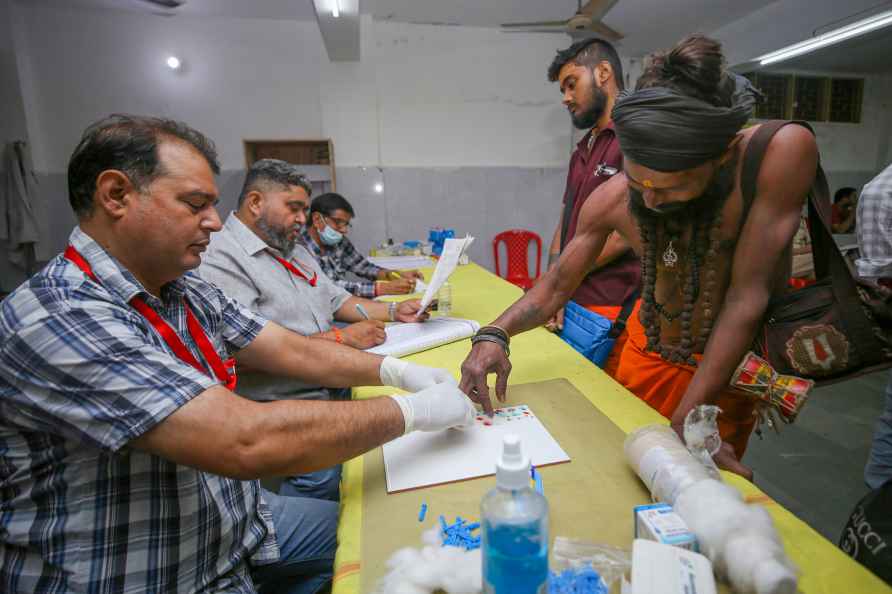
(597, 104)
(277, 236)
(712, 199)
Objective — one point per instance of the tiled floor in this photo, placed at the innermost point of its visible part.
(815, 467)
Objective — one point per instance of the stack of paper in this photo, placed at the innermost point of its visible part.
(402, 262)
(407, 338)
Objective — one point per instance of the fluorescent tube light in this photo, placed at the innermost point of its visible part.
(884, 19)
(335, 9)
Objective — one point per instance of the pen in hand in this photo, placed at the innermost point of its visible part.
(362, 311)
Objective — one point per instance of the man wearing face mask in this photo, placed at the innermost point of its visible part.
(259, 260)
(325, 236)
(590, 75)
(711, 258)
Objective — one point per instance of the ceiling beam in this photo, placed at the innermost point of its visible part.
(339, 33)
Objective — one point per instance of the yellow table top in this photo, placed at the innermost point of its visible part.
(539, 355)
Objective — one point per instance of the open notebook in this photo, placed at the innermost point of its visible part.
(408, 338)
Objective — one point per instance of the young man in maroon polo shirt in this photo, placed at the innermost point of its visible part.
(590, 75)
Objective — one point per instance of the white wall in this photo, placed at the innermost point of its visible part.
(470, 106)
(853, 153)
(243, 77)
(460, 119)
(437, 96)
(453, 96)
(12, 117)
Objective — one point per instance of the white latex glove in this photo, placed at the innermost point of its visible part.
(438, 407)
(411, 377)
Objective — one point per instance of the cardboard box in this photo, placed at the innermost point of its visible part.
(657, 522)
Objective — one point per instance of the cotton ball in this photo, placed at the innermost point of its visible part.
(406, 557)
(759, 520)
(773, 577)
(710, 512)
(398, 584)
(463, 573)
(432, 537)
(406, 587)
(758, 565)
(746, 553)
(425, 573)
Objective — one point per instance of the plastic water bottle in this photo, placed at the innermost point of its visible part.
(444, 300)
(515, 528)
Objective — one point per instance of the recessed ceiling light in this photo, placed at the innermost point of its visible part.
(174, 63)
(379, 187)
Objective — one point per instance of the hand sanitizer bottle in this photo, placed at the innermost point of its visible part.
(515, 528)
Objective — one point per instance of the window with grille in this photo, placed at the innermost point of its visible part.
(811, 98)
(845, 99)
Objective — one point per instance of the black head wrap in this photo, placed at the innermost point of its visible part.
(665, 130)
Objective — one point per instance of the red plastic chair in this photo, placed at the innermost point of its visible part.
(517, 243)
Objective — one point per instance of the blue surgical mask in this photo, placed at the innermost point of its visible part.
(330, 236)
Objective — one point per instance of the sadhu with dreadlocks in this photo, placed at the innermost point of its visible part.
(709, 267)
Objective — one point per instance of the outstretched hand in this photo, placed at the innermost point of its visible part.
(485, 358)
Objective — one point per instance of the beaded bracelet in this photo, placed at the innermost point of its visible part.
(493, 330)
(491, 338)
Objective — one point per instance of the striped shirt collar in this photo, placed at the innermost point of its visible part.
(114, 277)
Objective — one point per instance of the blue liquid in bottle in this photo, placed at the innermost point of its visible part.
(515, 529)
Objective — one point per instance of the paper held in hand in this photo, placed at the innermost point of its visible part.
(452, 251)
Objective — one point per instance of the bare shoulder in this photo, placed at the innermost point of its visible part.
(788, 169)
(606, 204)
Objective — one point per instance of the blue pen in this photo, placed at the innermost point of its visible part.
(362, 311)
(422, 513)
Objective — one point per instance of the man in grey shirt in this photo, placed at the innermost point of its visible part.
(259, 260)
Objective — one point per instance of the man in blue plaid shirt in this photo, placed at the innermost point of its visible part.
(127, 464)
(873, 225)
(325, 236)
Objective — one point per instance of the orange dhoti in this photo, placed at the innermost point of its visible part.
(611, 312)
(662, 385)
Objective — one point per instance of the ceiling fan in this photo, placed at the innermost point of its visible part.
(586, 21)
(169, 4)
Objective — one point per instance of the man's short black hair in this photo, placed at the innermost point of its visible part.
(589, 52)
(128, 143)
(326, 204)
(273, 171)
(842, 193)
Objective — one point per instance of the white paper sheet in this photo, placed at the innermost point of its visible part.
(414, 337)
(402, 262)
(452, 251)
(421, 459)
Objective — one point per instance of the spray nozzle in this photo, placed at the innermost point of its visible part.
(513, 467)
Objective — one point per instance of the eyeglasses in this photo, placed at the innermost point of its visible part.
(339, 223)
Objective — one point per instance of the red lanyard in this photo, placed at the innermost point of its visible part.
(295, 270)
(224, 370)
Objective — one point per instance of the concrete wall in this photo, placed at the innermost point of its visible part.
(12, 117)
(453, 120)
(458, 123)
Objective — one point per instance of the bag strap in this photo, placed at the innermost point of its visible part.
(619, 324)
(828, 258)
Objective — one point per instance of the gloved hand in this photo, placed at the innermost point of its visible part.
(411, 377)
(438, 407)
